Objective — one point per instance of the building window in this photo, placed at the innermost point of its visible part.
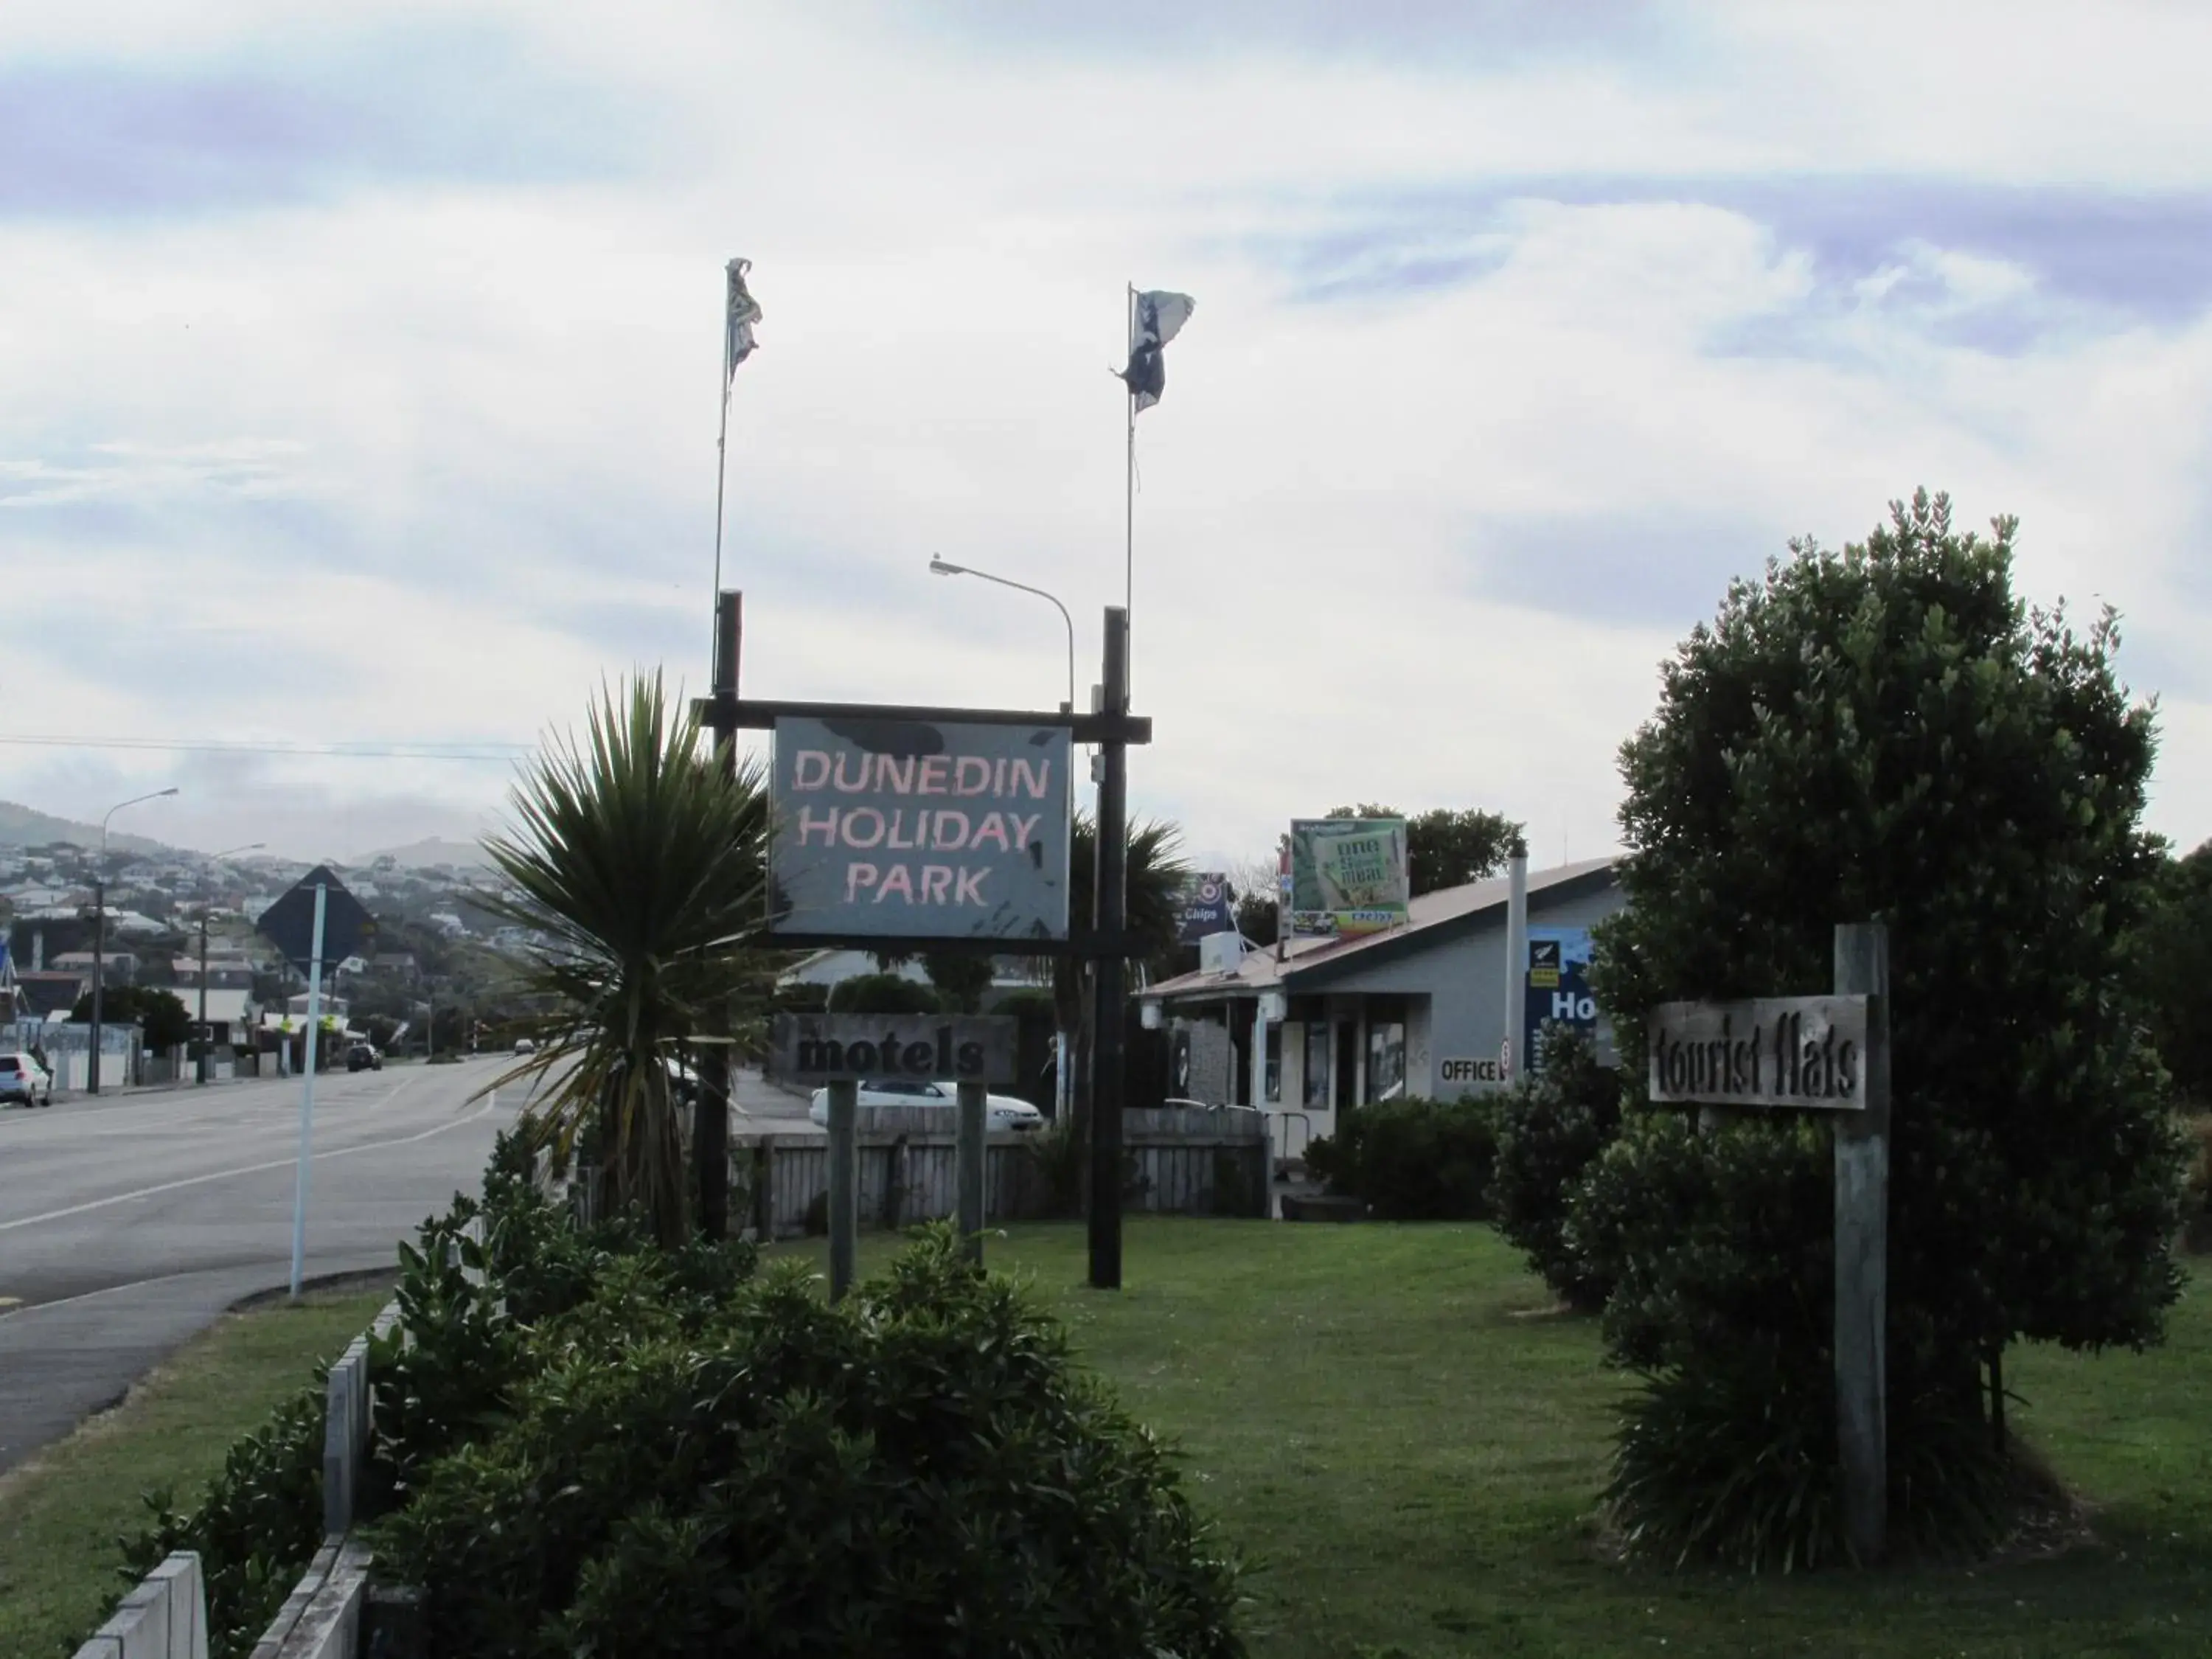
(1317, 1064)
(1271, 1078)
(1386, 1061)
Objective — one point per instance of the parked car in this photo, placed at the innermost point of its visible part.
(22, 1079)
(1002, 1111)
(364, 1057)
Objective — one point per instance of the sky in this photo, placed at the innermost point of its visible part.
(359, 375)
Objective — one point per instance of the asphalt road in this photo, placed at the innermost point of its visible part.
(128, 1222)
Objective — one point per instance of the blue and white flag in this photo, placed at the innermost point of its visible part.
(1157, 317)
(742, 313)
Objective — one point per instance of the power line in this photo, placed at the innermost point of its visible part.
(479, 751)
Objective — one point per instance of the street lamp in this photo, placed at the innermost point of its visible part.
(99, 930)
(938, 567)
(200, 1071)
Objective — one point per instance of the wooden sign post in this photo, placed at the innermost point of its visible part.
(904, 829)
(1820, 1054)
(840, 1050)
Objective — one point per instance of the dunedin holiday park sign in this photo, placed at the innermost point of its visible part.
(891, 828)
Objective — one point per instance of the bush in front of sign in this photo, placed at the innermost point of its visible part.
(1888, 734)
(1414, 1160)
(1552, 1127)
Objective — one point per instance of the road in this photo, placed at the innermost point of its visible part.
(130, 1222)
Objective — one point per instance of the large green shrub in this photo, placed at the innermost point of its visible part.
(919, 1470)
(1888, 734)
(1551, 1126)
(882, 994)
(1413, 1160)
(255, 1526)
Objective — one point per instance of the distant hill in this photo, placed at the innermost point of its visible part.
(23, 826)
(421, 855)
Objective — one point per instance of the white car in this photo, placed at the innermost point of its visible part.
(1004, 1111)
(22, 1078)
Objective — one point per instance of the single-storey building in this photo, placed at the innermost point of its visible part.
(1320, 1026)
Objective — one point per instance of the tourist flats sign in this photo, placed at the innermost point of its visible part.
(1792, 1052)
(888, 829)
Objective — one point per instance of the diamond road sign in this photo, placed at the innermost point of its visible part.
(289, 924)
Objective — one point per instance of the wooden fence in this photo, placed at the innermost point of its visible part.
(1180, 1161)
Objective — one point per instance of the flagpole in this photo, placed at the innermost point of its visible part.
(721, 469)
(1129, 487)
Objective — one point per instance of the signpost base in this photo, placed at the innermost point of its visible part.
(1863, 1255)
(844, 1104)
(969, 1150)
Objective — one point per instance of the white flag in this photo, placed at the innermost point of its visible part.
(744, 311)
(1157, 317)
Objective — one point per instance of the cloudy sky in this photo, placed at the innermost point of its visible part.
(358, 381)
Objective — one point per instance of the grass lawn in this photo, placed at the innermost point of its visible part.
(1389, 1420)
(61, 1514)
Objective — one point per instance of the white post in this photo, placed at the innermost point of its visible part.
(308, 1094)
(1516, 966)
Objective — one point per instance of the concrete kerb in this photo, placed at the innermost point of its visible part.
(165, 1617)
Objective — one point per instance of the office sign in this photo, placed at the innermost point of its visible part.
(1347, 876)
(1798, 1052)
(915, 829)
(1474, 1072)
(913, 1047)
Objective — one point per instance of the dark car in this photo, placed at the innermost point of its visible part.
(363, 1057)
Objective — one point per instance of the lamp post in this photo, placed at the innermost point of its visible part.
(200, 1071)
(938, 567)
(100, 930)
(1063, 1082)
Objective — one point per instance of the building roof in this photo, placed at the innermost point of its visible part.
(46, 991)
(1310, 963)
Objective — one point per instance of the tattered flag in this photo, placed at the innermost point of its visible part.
(743, 312)
(1156, 318)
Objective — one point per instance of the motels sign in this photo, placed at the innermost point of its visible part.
(851, 1047)
(1802, 1051)
(917, 830)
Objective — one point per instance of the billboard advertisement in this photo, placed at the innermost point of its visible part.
(1558, 986)
(1203, 907)
(1347, 876)
(917, 830)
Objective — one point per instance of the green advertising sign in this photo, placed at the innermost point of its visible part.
(1347, 876)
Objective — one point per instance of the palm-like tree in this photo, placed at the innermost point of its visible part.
(1155, 878)
(644, 864)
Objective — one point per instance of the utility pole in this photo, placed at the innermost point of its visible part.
(199, 1076)
(98, 964)
(710, 1121)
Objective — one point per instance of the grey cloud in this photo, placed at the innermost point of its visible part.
(1666, 566)
(88, 139)
(2098, 257)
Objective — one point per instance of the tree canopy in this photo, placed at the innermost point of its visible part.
(161, 1018)
(2176, 964)
(1888, 733)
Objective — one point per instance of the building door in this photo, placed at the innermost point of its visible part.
(1347, 1063)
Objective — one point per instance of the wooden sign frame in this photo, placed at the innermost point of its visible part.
(1731, 1067)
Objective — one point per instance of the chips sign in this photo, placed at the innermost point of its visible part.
(1800, 1052)
(1204, 908)
(888, 828)
(1347, 876)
